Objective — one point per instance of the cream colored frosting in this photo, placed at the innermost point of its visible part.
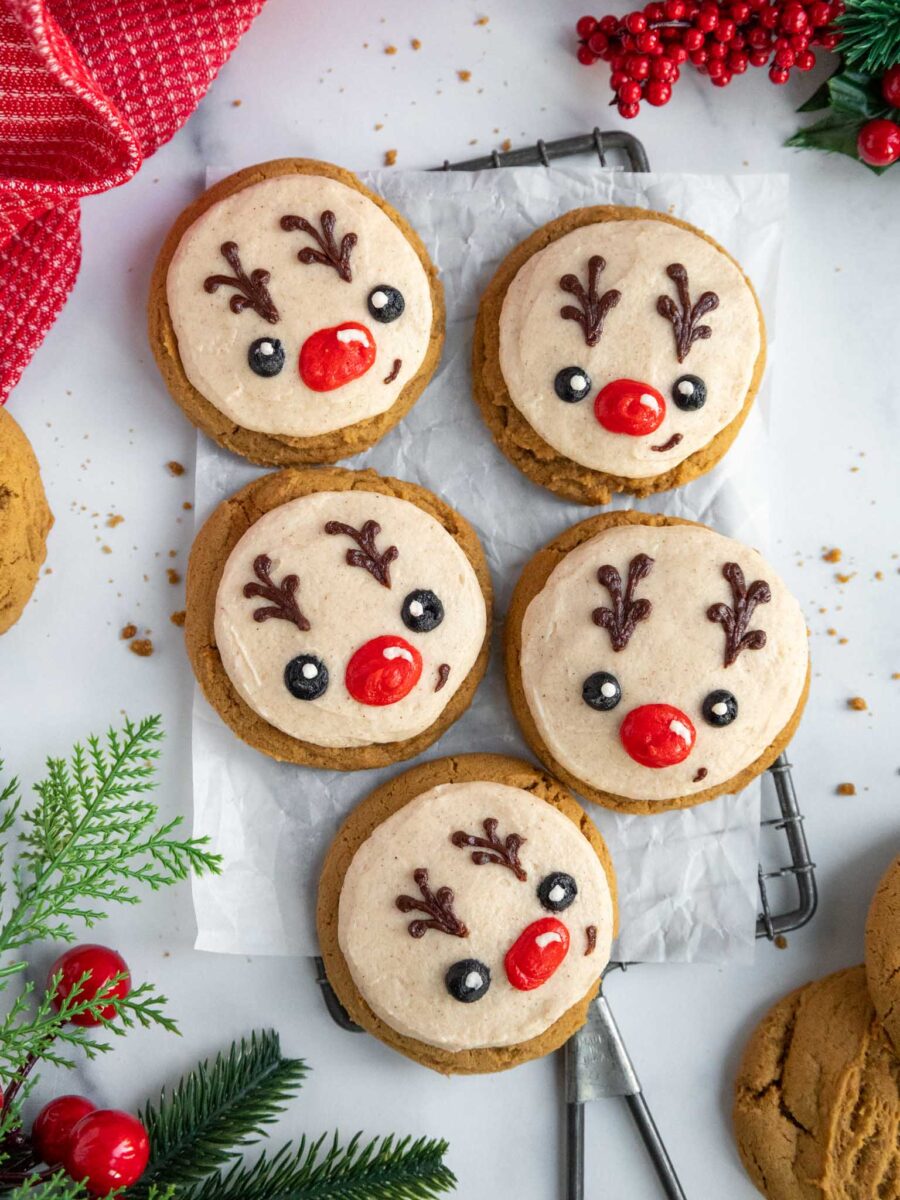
(402, 977)
(636, 343)
(346, 607)
(675, 656)
(213, 341)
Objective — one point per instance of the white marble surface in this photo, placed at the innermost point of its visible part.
(104, 430)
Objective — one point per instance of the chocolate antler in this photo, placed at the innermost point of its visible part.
(594, 308)
(329, 253)
(378, 565)
(284, 606)
(625, 613)
(250, 290)
(438, 905)
(492, 849)
(684, 323)
(735, 620)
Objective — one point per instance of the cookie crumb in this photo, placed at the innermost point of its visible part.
(236, 103)
(463, 76)
(390, 49)
(832, 556)
(415, 43)
(831, 632)
(390, 158)
(113, 520)
(128, 632)
(781, 942)
(173, 576)
(482, 20)
(142, 647)
(175, 468)
(106, 549)
(506, 145)
(842, 641)
(857, 703)
(177, 618)
(844, 578)
(846, 789)
(379, 125)
(187, 506)
(879, 575)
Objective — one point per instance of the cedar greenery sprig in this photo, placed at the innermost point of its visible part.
(871, 35)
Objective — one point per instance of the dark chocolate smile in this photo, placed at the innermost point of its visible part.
(670, 444)
(395, 371)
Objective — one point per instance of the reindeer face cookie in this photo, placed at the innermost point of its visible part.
(348, 616)
(295, 315)
(617, 350)
(473, 917)
(654, 663)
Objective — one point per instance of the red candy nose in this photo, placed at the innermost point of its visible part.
(329, 358)
(536, 953)
(383, 671)
(658, 735)
(629, 406)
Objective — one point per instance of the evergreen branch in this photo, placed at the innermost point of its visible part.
(216, 1109)
(382, 1168)
(871, 35)
(58, 1186)
(92, 838)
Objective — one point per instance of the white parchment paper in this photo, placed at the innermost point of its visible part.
(687, 880)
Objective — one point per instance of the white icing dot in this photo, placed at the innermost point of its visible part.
(416, 608)
(378, 299)
(352, 335)
(686, 388)
(679, 728)
(556, 893)
(473, 981)
(266, 348)
(546, 939)
(607, 689)
(720, 709)
(309, 670)
(578, 383)
(392, 652)
(647, 400)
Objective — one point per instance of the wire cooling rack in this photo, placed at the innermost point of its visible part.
(597, 1062)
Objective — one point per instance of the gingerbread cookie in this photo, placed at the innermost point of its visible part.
(817, 1108)
(25, 521)
(466, 912)
(653, 663)
(295, 315)
(883, 951)
(337, 618)
(617, 350)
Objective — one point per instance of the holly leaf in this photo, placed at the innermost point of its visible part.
(821, 98)
(856, 95)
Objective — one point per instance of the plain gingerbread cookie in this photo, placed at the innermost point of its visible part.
(471, 968)
(617, 350)
(883, 951)
(294, 314)
(25, 521)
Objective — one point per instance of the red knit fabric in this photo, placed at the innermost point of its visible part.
(88, 89)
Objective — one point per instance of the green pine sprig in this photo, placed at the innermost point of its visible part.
(217, 1109)
(871, 35)
(325, 1170)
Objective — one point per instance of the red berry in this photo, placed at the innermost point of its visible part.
(799, 42)
(638, 66)
(658, 93)
(785, 58)
(53, 1126)
(618, 79)
(108, 1149)
(768, 18)
(675, 10)
(647, 42)
(725, 31)
(737, 42)
(722, 80)
(657, 735)
(585, 57)
(707, 19)
(806, 60)
(630, 92)
(717, 50)
(598, 43)
(629, 110)
(740, 13)
(678, 54)
(699, 57)
(829, 40)
(738, 62)
(758, 38)
(627, 405)
(383, 671)
(794, 19)
(693, 39)
(609, 24)
(536, 953)
(662, 68)
(715, 68)
(586, 26)
(819, 13)
(635, 22)
(890, 86)
(99, 964)
(759, 58)
(878, 143)
(779, 75)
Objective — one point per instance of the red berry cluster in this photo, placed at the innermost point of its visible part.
(878, 143)
(647, 48)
